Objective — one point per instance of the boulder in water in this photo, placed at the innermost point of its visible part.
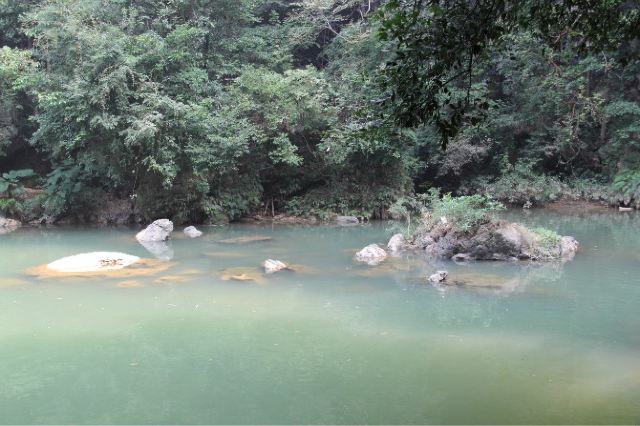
(271, 265)
(438, 277)
(192, 232)
(372, 255)
(159, 230)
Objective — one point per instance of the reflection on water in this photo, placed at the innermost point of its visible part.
(210, 338)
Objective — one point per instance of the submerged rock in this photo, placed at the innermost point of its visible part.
(397, 243)
(347, 220)
(243, 274)
(372, 255)
(246, 239)
(192, 232)
(271, 265)
(93, 262)
(438, 277)
(159, 230)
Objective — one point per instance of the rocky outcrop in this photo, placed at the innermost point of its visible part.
(397, 243)
(159, 230)
(493, 240)
(271, 265)
(347, 220)
(192, 232)
(372, 255)
(8, 225)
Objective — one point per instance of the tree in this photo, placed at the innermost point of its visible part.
(439, 43)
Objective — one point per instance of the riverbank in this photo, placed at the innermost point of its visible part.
(114, 211)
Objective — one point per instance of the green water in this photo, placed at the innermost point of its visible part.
(338, 343)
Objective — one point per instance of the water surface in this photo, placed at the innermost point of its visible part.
(332, 343)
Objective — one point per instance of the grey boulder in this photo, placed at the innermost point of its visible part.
(438, 277)
(159, 230)
(192, 232)
(372, 255)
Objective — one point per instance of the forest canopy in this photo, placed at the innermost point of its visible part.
(208, 110)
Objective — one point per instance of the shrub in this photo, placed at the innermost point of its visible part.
(626, 187)
(465, 211)
(547, 239)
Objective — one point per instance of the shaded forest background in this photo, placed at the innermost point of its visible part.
(208, 110)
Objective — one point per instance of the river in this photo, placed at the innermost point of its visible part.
(333, 342)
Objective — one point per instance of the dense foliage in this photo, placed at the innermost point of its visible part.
(207, 110)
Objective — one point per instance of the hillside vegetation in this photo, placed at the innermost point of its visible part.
(208, 110)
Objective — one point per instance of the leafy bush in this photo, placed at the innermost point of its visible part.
(10, 181)
(465, 211)
(10, 207)
(626, 187)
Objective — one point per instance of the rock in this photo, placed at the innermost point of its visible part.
(371, 255)
(243, 274)
(192, 232)
(491, 240)
(271, 265)
(397, 243)
(423, 241)
(43, 220)
(568, 246)
(99, 264)
(8, 225)
(438, 277)
(246, 239)
(347, 220)
(93, 262)
(159, 230)
(461, 257)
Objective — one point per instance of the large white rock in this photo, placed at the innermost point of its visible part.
(159, 230)
(372, 254)
(93, 262)
(438, 277)
(271, 265)
(192, 232)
